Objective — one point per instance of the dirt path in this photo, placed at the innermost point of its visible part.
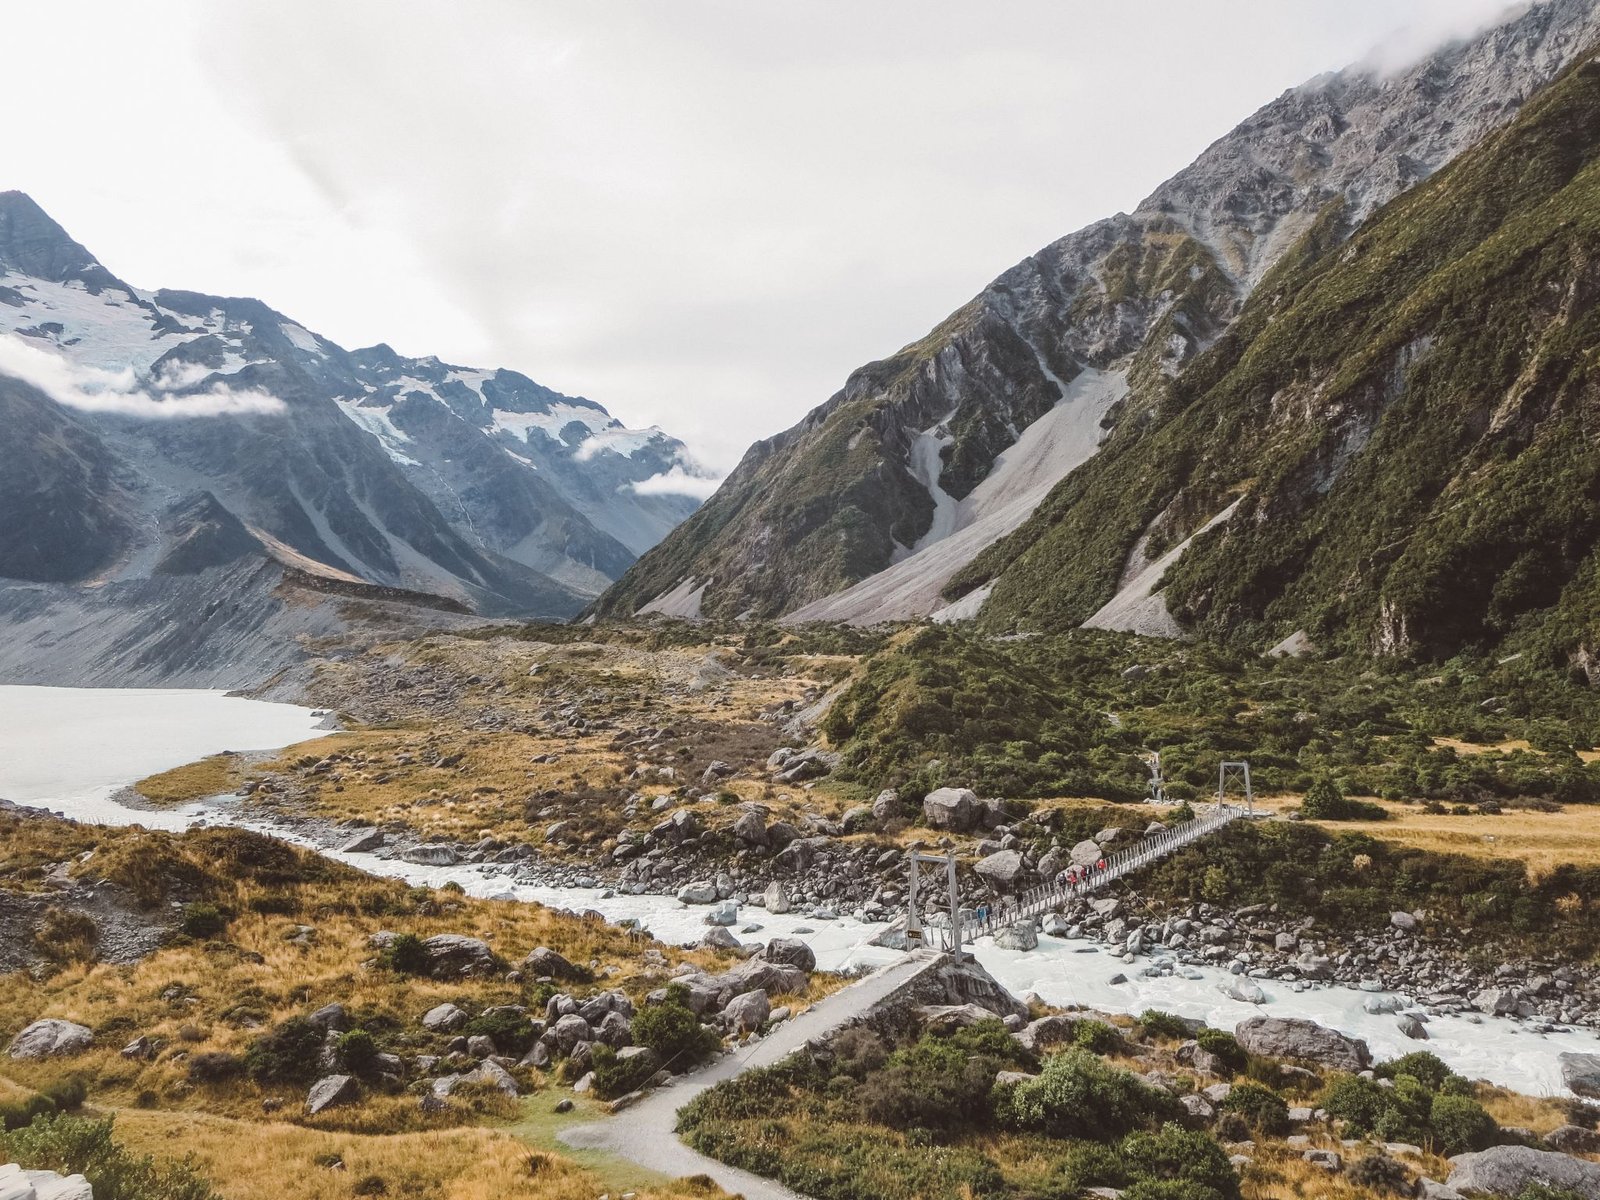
(646, 1133)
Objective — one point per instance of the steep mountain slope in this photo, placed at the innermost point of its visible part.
(877, 479)
(405, 473)
(1402, 431)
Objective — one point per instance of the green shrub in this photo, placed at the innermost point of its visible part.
(1086, 1165)
(1378, 1174)
(1171, 1189)
(932, 1085)
(1424, 1066)
(1460, 1125)
(405, 955)
(67, 1093)
(1263, 1108)
(510, 1031)
(1222, 1044)
(287, 1054)
(358, 1052)
(1077, 1095)
(1406, 1111)
(1325, 802)
(615, 1076)
(1173, 1159)
(673, 1031)
(1359, 1102)
(1154, 1023)
(203, 920)
(78, 1145)
(1097, 1037)
(19, 1113)
(214, 1066)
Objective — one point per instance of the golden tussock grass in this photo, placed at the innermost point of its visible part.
(276, 1161)
(213, 776)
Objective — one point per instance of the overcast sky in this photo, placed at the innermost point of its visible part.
(701, 213)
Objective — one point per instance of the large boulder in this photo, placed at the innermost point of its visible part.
(700, 891)
(751, 829)
(432, 854)
(1001, 870)
(1507, 1170)
(17, 1184)
(1243, 989)
(777, 897)
(331, 1091)
(792, 952)
(444, 1018)
(954, 810)
(775, 979)
(1084, 854)
(1292, 1038)
(50, 1038)
(1020, 935)
(451, 954)
(542, 961)
(1581, 1073)
(747, 1012)
(567, 1033)
(887, 806)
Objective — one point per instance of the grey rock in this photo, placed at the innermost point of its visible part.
(51, 1038)
(1285, 1037)
(1019, 935)
(444, 1018)
(791, 952)
(363, 841)
(953, 810)
(747, 1012)
(1001, 870)
(1581, 1073)
(1506, 1170)
(331, 1091)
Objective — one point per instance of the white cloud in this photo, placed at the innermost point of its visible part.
(119, 393)
(677, 482)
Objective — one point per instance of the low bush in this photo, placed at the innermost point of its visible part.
(1224, 1046)
(1175, 1162)
(215, 1066)
(510, 1031)
(1460, 1125)
(1326, 802)
(78, 1145)
(405, 955)
(1097, 1037)
(358, 1052)
(1263, 1108)
(286, 1054)
(932, 1085)
(1154, 1023)
(614, 1076)
(1077, 1095)
(203, 920)
(673, 1031)
(1378, 1174)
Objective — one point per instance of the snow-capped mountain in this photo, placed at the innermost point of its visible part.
(133, 411)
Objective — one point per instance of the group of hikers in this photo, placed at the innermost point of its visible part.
(1075, 876)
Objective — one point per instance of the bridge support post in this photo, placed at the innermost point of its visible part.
(1237, 773)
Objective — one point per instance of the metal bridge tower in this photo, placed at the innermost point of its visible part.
(1236, 774)
(916, 860)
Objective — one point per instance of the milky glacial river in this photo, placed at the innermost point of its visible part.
(71, 749)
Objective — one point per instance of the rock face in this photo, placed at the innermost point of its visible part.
(330, 1092)
(17, 1184)
(49, 1038)
(1581, 1073)
(1506, 1170)
(952, 809)
(927, 425)
(362, 467)
(1284, 1037)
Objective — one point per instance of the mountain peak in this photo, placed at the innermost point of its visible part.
(32, 243)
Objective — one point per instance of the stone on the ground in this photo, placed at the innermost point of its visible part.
(1403, 921)
(331, 1017)
(331, 1091)
(443, 1018)
(1573, 1139)
(544, 961)
(456, 954)
(748, 1012)
(1055, 925)
(1412, 1028)
(1292, 1038)
(49, 1038)
(719, 937)
(1581, 1073)
(1001, 870)
(1507, 1170)
(18, 1184)
(1084, 854)
(431, 854)
(887, 805)
(362, 841)
(701, 891)
(1020, 935)
(792, 952)
(1328, 1160)
(566, 1033)
(724, 912)
(954, 810)
(751, 828)
(1244, 989)
(777, 897)
(942, 1018)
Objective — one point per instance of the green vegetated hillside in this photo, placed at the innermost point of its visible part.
(825, 504)
(1071, 714)
(1408, 418)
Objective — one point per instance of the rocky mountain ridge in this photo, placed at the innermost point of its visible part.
(857, 512)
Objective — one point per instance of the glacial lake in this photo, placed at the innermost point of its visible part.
(71, 750)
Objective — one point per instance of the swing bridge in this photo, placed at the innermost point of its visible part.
(962, 926)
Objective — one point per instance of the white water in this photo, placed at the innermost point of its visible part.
(70, 750)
